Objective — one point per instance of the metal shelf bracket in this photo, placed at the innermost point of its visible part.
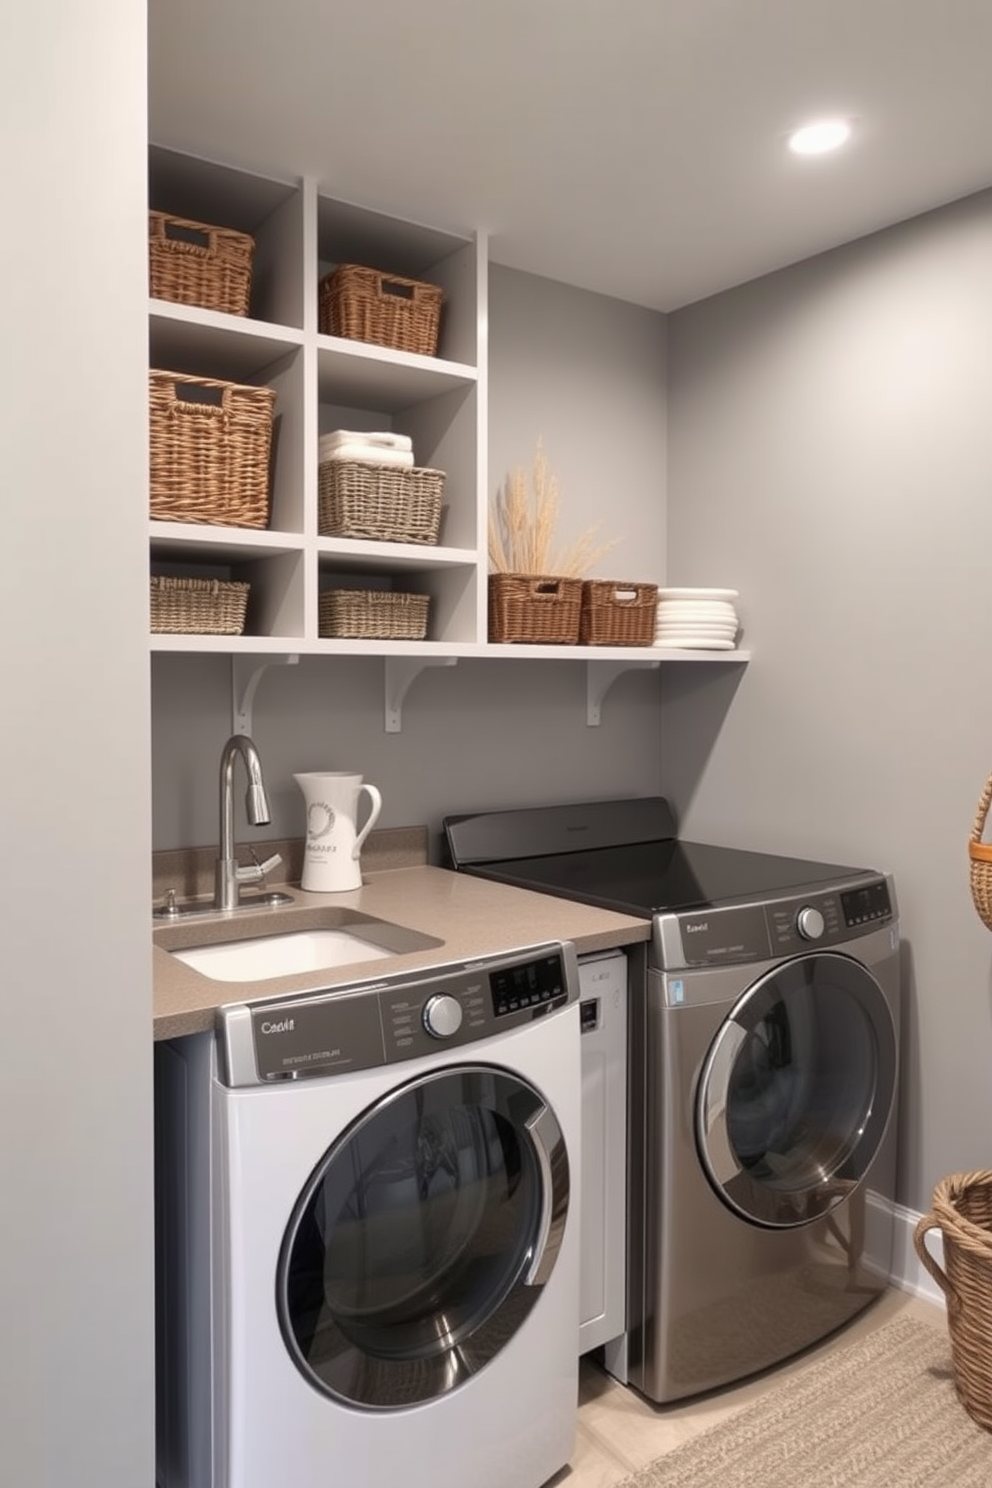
(246, 674)
(400, 674)
(600, 677)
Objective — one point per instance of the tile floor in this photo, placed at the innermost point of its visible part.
(619, 1432)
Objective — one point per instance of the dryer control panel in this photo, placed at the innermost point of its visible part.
(775, 927)
(367, 1024)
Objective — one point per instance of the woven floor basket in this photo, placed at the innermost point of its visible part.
(193, 263)
(197, 606)
(980, 859)
(365, 304)
(537, 608)
(373, 614)
(962, 1210)
(615, 613)
(210, 444)
(379, 502)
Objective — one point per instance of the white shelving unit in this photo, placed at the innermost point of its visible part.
(324, 382)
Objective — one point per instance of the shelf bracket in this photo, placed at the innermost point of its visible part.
(246, 674)
(600, 677)
(401, 673)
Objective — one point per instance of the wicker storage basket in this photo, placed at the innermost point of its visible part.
(373, 614)
(980, 857)
(364, 304)
(536, 608)
(616, 613)
(193, 263)
(210, 445)
(198, 606)
(961, 1209)
(379, 502)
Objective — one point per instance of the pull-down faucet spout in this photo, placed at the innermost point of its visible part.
(228, 875)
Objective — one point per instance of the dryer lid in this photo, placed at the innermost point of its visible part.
(623, 855)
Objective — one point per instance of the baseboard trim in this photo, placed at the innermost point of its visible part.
(908, 1272)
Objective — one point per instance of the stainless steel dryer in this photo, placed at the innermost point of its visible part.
(768, 1140)
(763, 1073)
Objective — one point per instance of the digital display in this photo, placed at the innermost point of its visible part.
(861, 906)
(526, 985)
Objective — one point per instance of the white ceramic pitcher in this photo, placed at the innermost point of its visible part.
(333, 842)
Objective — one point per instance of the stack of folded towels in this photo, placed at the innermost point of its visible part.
(369, 448)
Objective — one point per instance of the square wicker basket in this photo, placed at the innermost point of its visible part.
(379, 502)
(193, 263)
(197, 606)
(617, 613)
(536, 608)
(373, 614)
(211, 445)
(365, 304)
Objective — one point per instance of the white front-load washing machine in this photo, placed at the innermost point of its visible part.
(368, 1267)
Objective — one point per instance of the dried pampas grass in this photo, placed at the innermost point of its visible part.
(522, 528)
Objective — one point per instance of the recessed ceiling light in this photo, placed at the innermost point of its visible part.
(816, 139)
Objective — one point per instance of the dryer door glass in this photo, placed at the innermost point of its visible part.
(423, 1238)
(797, 1090)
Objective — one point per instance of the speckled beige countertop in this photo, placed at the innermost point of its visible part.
(455, 916)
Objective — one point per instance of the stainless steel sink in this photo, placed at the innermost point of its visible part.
(307, 940)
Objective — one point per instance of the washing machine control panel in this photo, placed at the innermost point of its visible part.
(784, 926)
(362, 1026)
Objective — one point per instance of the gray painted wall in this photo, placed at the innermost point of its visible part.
(76, 1281)
(830, 456)
(587, 375)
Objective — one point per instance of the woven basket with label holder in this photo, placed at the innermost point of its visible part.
(980, 856)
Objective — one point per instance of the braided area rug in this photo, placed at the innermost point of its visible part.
(880, 1413)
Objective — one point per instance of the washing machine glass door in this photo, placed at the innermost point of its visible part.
(797, 1089)
(423, 1239)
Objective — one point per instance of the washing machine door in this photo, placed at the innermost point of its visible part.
(424, 1237)
(796, 1090)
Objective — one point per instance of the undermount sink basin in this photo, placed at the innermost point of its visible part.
(280, 955)
(307, 940)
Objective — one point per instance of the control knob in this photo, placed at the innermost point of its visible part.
(809, 923)
(442, 1015)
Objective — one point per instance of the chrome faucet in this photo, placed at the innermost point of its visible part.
(229, 874)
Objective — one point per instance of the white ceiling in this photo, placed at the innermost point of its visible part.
(633, 147)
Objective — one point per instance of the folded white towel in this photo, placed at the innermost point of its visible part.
(385, 438)
(368, 454)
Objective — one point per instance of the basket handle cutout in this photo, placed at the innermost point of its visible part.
(193, 392)
(545, 587)
(176, 233)
(624, 595)
(398, 291)
(924, 1226)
